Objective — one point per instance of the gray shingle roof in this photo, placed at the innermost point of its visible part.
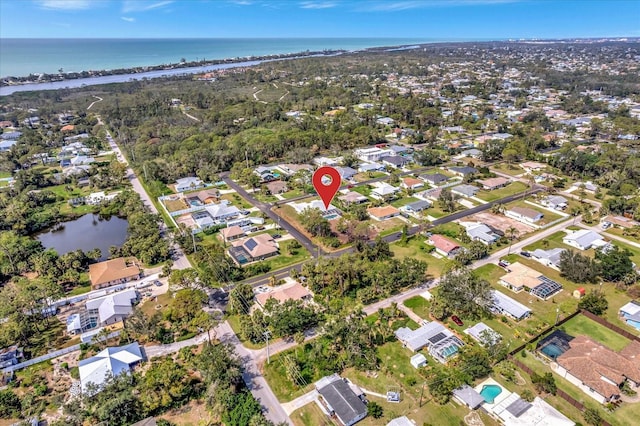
(346, 405)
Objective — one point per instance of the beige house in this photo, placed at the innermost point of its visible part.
(112, 272)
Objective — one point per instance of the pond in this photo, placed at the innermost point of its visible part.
(86, 233)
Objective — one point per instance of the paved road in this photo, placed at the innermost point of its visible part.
(266, 209)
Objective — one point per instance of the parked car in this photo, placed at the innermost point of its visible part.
(276, 236)
(157, 283)
(349, 186)
(503, 264)
(457, 320)
(525, 254)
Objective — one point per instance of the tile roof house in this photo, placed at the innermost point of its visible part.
(412, 183)
(232, 233)
(493, 183)
(205, 196)
(277, 187)
(434, 179)
(112, 272)
(188, 184)
(524, 215)
(597, 370)
(285, 292)
(505, 305)
(521, 277)
(253, 248)
(441, 343)
(353, 197)
(110, 362)
(584, 239)
(383, 213)
(465, 190)
(444, 246)
(340, 400)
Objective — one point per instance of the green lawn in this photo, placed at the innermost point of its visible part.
(286, 259)
(509, 169)
(496, 194)
(275, 373)
(236, 200)
(362, 190)
(80, 290)
(363, 177)
(310, 415)
(635, 252)
(418, 249)
(292, 193)
(581, 325)
(419, 305)
(265, 198)
(403, 201)
(618, 232)
(435, 211)
(234, 322)
(5, 175)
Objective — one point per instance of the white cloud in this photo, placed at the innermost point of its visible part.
(128, 19)
(143, 5)
(64, 4)
(318, 4)
(391, 6)
(242, 2)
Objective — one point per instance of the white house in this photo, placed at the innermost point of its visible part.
(383, 191)
(555, 202)
(418, 360)
(110, 362)
(524, 215)
(188, 184)
(584, 239)
(372, 154)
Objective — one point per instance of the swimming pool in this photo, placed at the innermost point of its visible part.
(490, 392)
(552, 351)
(332, 216)
(449, 351)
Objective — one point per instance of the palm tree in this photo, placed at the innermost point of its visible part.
(513, 233)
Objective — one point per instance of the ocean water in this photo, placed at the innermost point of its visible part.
(21, 57)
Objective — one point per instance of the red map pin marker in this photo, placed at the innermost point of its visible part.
(326, 191)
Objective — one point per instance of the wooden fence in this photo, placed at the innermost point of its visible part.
(610, 326)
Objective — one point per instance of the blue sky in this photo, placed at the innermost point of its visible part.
(428, 19)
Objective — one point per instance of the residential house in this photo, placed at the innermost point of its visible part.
(584, 239)
(202, 219)
(473, 152)
(524, 215)
(79, 160)
(188, 184)
(597, 370)
(401, 421)
(11, 355)
(619, 221)
(112, 272)
(372, 154)
(325, 161)
(429, 195)
(353, 197)
(149, 421)
(383, 213)
(441, 343)
(397, 161)
(222, 211)
(468, 396)
(371, 167)
(112, 308)
(346, 173)
(463, 171)
(385, 121)
(329, 212)
(532, 166)
(514, 411)
(232, 233)
(418, 360)
(434, 179)
(291, 169)
(6, 145)
(480, 232)
(206, 196)
(400, 149)
(521, 277)
(550, 258)
(493, 183)
(384, 191)
(465, 190)
(340, 400)
(266, 173)
(253, 248)
(416, 207)
(277, 187)
(111, 362)
(412, 183)
(443, 245)
(282, 293)
(630, 313)
(555, 202)
(588, 186)
(505, 305)
(483, 334)
(10, 136)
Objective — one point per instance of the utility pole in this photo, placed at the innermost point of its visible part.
(246, 157)
(193, 238)
(266, 335)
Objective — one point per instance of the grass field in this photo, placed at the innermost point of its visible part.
(236, 200)
(618, 232)
(496, 194)
(419, 305)
(286, 259)
(418, 249)
(311, 415)
(509, 169)
(403, 201)
(581, 325)
(5, 175)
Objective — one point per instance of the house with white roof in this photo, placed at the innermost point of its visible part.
(584, 239)
(478, 231)
(482, 333)
(550, 258)
(188, 184)
(372, 154)
(555, 202)
(113, 307)
(315, 204)
(630, 313)
(111, 362)
(384, 191)
(441, 343)
(505, 305)
(222, 211)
